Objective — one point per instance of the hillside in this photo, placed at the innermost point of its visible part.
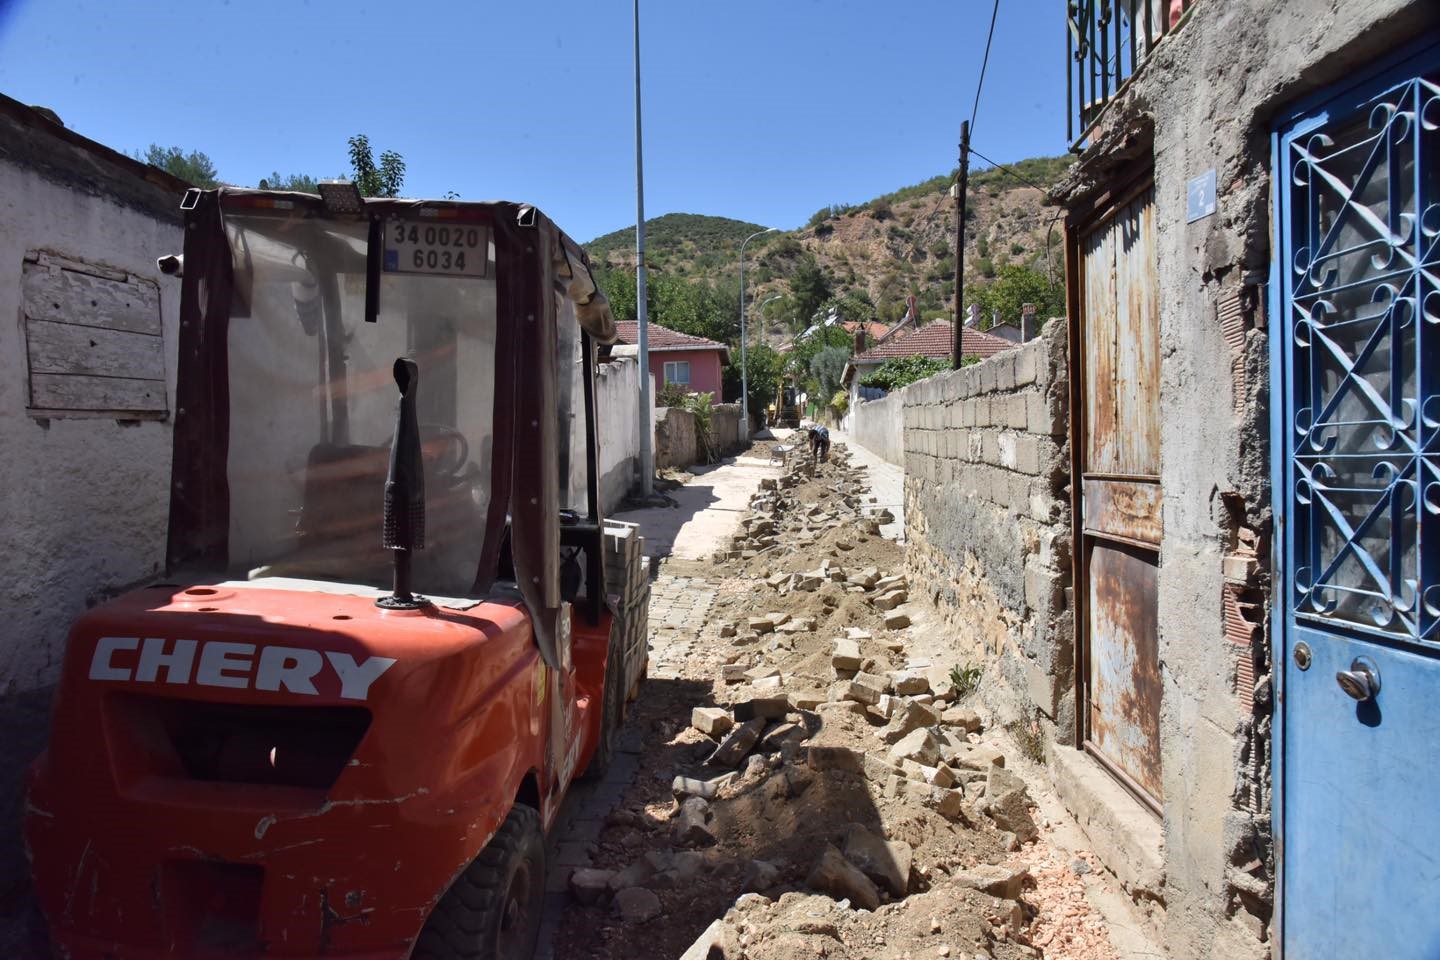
(874, 254)
(689, 244)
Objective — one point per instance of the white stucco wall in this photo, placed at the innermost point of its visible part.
(617, 409)
(879, 426)
(83, 502)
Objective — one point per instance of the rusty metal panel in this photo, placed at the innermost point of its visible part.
(1137, 340)
(1123, 508)
(1097, 264)
(1124, 705)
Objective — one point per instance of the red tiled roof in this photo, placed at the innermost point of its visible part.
(663, 338)
(933, 340)
(874, 329)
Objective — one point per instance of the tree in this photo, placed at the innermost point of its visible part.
(619, 288)
(298, 182)
(764, 369)
(827, 367)
(382, 181)
(1014, 286)
(810, 288)
(194, 166)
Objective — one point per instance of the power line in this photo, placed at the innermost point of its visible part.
(984, 63)
(1009, 170)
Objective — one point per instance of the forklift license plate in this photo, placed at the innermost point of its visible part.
(448, 249)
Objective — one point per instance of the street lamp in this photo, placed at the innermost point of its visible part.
(744, 373)
(764, 325)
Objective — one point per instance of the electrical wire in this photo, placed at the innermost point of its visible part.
(1009, 170)
(980, 85)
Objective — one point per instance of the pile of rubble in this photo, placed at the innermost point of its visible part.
(844, 791)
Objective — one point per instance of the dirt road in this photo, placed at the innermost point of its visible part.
(805, 774)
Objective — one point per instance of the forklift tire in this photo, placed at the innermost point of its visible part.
(612, 713)
(493, 910)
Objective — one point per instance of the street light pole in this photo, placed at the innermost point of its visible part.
(744, 365)
(647, 429)
(765, 324)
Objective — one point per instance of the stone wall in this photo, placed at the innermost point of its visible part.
(988, 523)
(674, 437)
(725, 427)
(879, 426)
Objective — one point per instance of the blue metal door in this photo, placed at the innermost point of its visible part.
(1356, 431)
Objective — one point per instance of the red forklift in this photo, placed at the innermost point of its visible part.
(383, 648)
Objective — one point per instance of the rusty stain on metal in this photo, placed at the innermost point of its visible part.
(1124, 664)
(1123, 508)
(1122, 527)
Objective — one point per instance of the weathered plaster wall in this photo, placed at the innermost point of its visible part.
(84, 502)
(725, 427)
(617, 399)
(879, 426)
(674, 437)
(987, 523)
(1208, 99)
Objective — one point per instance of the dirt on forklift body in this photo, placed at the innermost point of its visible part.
(384, 645)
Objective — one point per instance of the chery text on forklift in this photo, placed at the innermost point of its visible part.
(384, 646)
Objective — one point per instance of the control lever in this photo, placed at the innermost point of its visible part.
(1361, 682)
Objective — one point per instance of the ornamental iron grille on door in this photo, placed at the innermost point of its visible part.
(1355, 366)
(1364, 307)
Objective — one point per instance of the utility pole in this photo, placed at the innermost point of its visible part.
(744, 362)
(956, 345)
(647, 428)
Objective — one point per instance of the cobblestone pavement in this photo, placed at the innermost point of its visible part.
(678, 608)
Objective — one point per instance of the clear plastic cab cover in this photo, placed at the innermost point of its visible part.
(313, 404)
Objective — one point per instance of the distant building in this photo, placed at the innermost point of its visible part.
(693, 362)
(932, 340)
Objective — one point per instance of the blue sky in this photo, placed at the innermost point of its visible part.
(764, 110)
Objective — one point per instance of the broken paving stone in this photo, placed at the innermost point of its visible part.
(805, 699)
(760, 875)
(590, 886)
(768, 683)
(636, 874)
(692, 823)
(887, 862)
(857, 692)
(895, 620)
(737, 743)
(948, 803)
(711, 721)
(962, 717)
(761, 673)
(909, 683)
(855, 633)
(682, 787)
(733, 673)
(1005, 881)
(637, 905)
(879, 684)
(1007, 802)
(877, 769)
(769, 708)
(760, 624)
(918, 745)
(978, 756)
(782, 733)
(727, 629)
(891, 600)
(907, 717)
(840, 878)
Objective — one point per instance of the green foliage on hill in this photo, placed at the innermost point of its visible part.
(1014, 286)
(695, 307)
(688, 239)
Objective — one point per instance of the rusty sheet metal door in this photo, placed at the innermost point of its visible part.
(1117, 444)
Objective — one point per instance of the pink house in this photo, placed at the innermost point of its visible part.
(680, 358)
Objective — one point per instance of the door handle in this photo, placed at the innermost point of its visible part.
(1362, 681)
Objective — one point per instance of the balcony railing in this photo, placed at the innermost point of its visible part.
(1106, 43)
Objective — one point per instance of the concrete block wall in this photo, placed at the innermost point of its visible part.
(988, 522)
(725, 427)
